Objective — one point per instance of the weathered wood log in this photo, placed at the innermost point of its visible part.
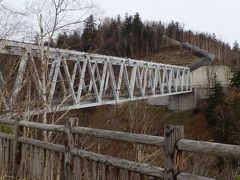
(120, 163)
(16, 148)
(6, 136)
(61, 172)
(5, 151)
(69, 145)
(46, 127)
(94, 170)
(86, 169)
(1, 154)
(77, 168)
(7, 121)
(173, 157)
(203, 147)
(184, 176)
(117, 135)
(42, 144)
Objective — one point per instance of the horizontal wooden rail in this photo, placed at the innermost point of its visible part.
(203, 147)
(45, 127)
(42, 144)
(122, 136)
(141, 168)
(7, 121)
(6, 136)
(99, 133)
(187, 176)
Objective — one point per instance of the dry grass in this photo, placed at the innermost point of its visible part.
(210, 166)
(4, 174)
(138, 117)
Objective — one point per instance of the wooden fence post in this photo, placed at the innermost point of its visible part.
(173, 157)
(69, 145)
(16, 148)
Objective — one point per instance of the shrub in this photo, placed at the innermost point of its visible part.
(235, 80)
(215, 98)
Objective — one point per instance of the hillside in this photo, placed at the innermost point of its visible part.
(130, 37)
(174, 55)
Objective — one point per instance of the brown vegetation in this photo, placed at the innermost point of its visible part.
(139, 117)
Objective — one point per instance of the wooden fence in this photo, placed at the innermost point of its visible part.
(35, 159)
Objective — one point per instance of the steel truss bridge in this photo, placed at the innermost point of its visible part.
(78, 80)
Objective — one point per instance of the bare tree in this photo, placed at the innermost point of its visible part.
(58, 16)
(10, 21)
(45, 19)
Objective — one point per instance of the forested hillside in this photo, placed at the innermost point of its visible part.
(133, 38)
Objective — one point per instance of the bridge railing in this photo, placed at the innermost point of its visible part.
(27, 157)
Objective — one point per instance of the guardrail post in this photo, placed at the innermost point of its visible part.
(69, 145)
(16, 148)
(173, 164)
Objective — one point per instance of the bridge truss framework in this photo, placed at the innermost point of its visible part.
(78, 80)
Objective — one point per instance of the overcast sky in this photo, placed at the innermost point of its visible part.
(213, 16)
(221, 17)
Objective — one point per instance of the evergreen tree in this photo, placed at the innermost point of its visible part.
(74, 41)
(215, 98)
(61, 41)
(235, 55)
(89, 33)
(137, 25)
(137, 30)
(171, 30)
(217, 94)
(235, 46)
(235, 80)
(127, 25)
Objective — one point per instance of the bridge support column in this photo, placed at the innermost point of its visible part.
(182, 102)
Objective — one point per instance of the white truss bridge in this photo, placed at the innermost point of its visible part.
(79, 80)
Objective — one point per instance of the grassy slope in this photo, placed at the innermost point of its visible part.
(173, 54)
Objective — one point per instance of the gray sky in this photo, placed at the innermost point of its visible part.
(214, 16)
